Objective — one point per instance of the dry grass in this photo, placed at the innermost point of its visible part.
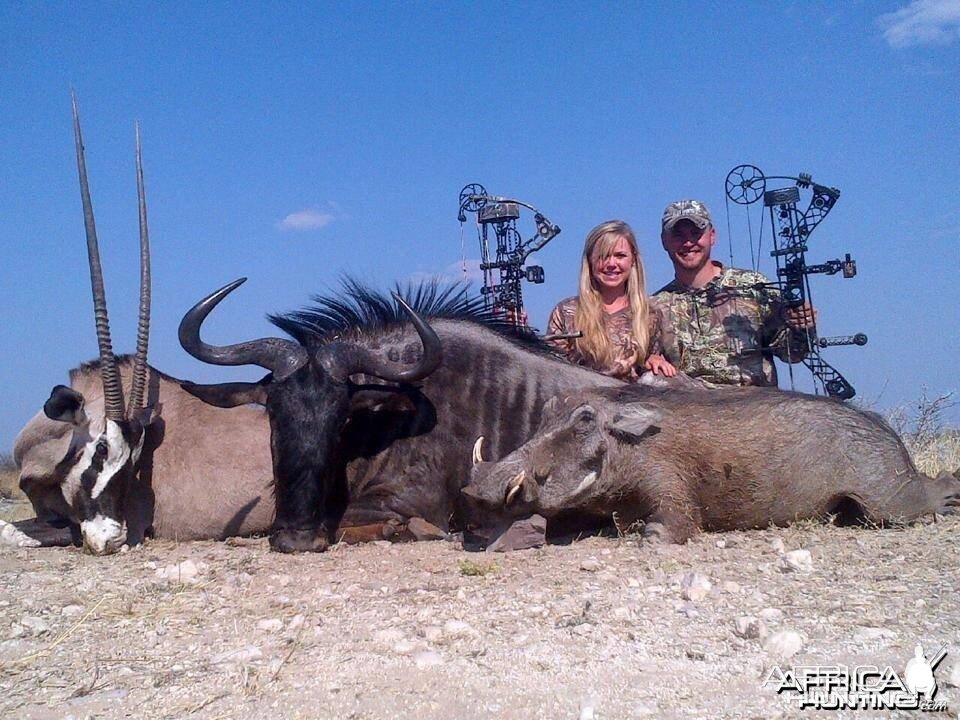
(9, 478)
(938, 454)
(934, 448)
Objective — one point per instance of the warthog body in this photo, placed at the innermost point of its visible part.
(682, 461)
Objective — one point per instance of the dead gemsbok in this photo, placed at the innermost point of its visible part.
(166, 463)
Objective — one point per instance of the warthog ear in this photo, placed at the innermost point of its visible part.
(66, 405)
(634, 422)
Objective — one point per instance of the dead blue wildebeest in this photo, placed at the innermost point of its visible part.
(166, 463)
(373, 414)
(682, 461)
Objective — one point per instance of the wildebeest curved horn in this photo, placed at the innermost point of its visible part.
(143, 319)
(282, 357)
(112, 390)
(343, 359)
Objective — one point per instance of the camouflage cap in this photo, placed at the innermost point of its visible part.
(692, 210)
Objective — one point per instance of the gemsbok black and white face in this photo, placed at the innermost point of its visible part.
(90, 453)
(100, 462)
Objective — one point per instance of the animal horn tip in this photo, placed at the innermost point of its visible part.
(230, 287)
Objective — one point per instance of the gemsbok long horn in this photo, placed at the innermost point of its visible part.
(143, 320)
(112, 390)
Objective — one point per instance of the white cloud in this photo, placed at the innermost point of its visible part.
(922, 22)
(464, 270)
(310, 219)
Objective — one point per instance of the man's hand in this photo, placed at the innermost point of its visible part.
(801, 317)
(659, 365)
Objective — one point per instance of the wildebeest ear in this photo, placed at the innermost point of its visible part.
(232, 394)
(634, 422)
(66, 405)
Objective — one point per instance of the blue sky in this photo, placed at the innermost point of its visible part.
(293, 143)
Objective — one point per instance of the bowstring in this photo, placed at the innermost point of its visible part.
(726, 201)
(463, 254)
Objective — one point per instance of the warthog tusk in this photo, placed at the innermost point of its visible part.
(515, 486)
(478, 451)
(587, 481)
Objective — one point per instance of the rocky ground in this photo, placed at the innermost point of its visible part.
(601, 628)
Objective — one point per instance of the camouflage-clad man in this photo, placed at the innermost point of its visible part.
(722, 324)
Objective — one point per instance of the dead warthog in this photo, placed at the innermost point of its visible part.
(682, 461)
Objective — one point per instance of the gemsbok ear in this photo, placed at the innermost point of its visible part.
(65, 405)
(634, 422)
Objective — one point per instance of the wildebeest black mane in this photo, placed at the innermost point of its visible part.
(358, 308)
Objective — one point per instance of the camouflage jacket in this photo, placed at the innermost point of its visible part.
(728, 331)
(617, 326)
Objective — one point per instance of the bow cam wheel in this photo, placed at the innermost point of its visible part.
(473, 197)
(745, 184)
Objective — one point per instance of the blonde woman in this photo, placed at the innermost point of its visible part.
(621, 331)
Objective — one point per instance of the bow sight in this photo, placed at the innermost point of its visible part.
(502, 292)
(746, 184)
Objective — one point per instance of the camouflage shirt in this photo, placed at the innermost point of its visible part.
(727, 331)
(617, 326)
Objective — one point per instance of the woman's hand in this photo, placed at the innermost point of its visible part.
(659, 365)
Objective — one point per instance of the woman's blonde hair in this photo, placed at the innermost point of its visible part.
(595, 346)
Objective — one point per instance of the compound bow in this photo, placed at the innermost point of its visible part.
(502, 293)
(746, 184)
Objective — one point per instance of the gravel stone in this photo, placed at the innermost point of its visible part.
(695, 587)
(784, 644)
(796, 561)
(749, 628)
(873, 634)
(771, 615)
(182, 572)
(36, 625)
(427, 658)
(238, 656)
(270, 625)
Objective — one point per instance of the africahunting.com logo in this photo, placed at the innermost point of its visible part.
(863, 687)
